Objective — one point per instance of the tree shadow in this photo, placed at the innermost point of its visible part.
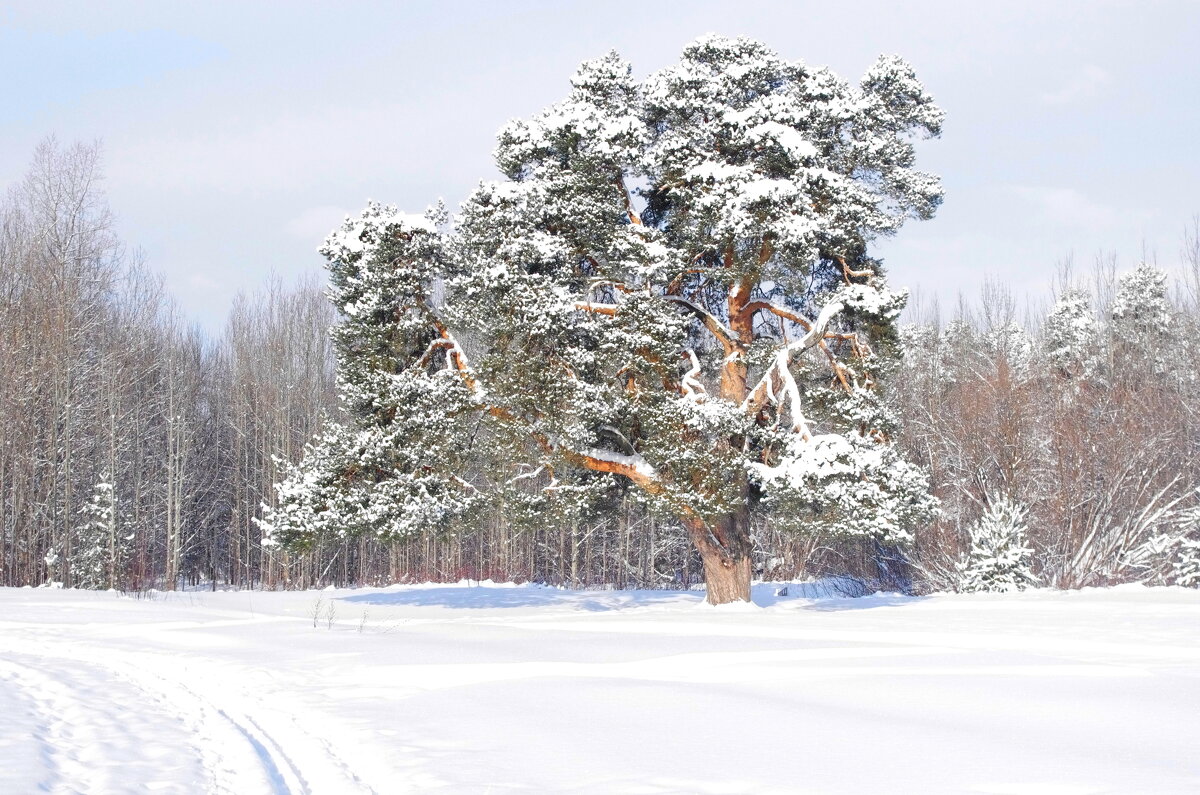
(459, 597)
(827, 595)
(864, 602)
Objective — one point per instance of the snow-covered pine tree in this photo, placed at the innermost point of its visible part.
(959, 351)
(920, 353)
(998, 559)
(1141, 321)
(671, 286)
(1071, 336)
(1011, 347)
(99, 545)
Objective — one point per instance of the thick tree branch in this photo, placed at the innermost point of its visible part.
(853, 274)
(634, 218)
(775, 309)
(816, 334)
(599, 309)
(723, 334)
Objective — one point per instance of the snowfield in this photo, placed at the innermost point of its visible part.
(469, 688)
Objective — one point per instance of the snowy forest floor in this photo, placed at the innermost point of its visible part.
(499, 689)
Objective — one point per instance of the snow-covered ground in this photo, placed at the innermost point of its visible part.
(527, 689)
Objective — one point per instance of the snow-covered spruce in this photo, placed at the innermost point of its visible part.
(100, 543)
(998, 559)
(671, 286)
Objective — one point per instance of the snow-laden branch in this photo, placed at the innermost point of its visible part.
(599, 309)
(816, 334)
(602, 308)
(780, 369)
(551, 486)
(436, 345)
(456, 358)
(619, 462)
(861, 349)
(850, 273)
(526, 475)
(792, 391)
(765, 391)
(692, 388)
(464, 484)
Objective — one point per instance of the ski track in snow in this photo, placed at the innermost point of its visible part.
(92, 706)
(82, 718)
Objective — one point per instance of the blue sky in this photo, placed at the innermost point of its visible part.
(237, 134)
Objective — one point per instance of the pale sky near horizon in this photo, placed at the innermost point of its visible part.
(236, 135)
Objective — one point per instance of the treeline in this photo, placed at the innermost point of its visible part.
(1086, 415)
(136, 452)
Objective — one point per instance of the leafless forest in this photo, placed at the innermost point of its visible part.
(137, 451)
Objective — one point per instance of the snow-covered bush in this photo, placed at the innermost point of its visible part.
(1168, 559)
(1180, 551)
(53, 563)
(1186, 569)
(998, 559)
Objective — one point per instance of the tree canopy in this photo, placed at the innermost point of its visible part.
(670, 288)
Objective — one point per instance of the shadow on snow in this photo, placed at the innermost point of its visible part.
(821, 596)
(481, 598)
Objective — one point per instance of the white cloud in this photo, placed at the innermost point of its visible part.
(1085, 84)
(284, 152)
(294, 151)
(198, 281)
(315, 223)
(1068, 207)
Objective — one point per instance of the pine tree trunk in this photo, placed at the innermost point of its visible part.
(724, 548)
(726, 579)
